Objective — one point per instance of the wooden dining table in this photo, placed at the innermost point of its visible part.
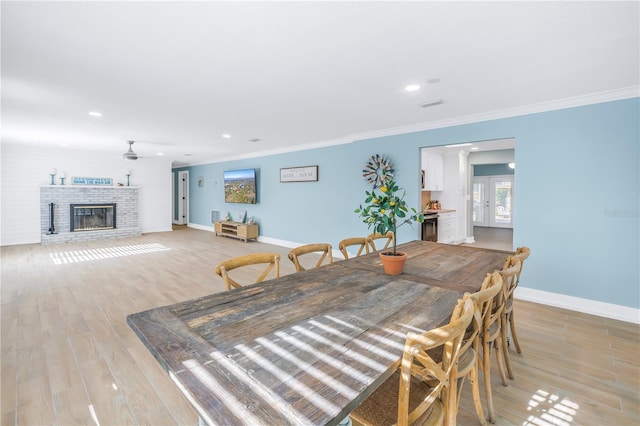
(309, 347)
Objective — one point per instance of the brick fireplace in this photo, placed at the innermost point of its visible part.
(93, 205)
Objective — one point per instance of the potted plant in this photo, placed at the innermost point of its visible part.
(386, 211)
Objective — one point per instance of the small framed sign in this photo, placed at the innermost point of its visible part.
(239, 216)
(299, 174)
(97, 181)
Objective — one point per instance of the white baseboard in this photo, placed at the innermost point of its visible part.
(277, 242)
(201, 227)
(587, 306)
(292, 244)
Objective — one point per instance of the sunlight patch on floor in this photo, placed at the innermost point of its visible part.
(92, 411)
(550, 410)
(75, 256)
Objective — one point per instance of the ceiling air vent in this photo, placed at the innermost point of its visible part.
(432, 102)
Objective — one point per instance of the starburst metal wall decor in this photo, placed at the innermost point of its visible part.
(377, 170)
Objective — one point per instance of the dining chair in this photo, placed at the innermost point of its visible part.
(469, 351)
(509, 277)
(521, 253)
(272, 261)
(388, 240)
(491, 340)
(360, 242)
(419, 391)
(296, 253)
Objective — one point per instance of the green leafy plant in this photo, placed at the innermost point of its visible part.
(387, 210)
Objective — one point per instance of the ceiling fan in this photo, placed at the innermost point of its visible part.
(130, 155)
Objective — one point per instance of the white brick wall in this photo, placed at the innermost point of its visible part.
(125, 198)
(25, 169)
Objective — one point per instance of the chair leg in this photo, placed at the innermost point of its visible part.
(475, 389)
(486, 372)
(460, 383)
(450, 395)
(505, 345)
(512, 325)
(497, 345)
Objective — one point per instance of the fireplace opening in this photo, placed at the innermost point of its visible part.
(92, 217)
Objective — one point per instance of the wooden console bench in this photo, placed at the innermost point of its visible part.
(242, 231)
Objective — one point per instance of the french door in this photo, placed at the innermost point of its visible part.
(493, 201)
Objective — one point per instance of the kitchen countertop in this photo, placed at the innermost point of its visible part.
(431, 211)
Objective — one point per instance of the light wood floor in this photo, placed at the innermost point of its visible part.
(69, 358)
(492, 238)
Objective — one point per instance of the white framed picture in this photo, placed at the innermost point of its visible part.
(239, 216)
(299, 174)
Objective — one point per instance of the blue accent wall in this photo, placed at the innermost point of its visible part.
(577, 194)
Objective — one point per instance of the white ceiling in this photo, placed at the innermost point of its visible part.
(175, 76)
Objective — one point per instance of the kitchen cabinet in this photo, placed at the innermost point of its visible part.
(447, 227)
(433, 166)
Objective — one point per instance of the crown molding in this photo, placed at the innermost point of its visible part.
(576, 101)
(283, 150)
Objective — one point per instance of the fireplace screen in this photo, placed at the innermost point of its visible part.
(92, 217)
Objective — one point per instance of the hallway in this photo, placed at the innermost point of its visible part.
(493, 238)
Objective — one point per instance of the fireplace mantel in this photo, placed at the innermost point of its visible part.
(125, 197)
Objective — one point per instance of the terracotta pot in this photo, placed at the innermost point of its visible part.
(393, 265)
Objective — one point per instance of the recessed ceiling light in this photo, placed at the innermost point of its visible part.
(64, 144)
(412, 87)
(226, 135)
(95, 114)
(160, 153)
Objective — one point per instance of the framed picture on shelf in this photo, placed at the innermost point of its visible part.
(240, 215)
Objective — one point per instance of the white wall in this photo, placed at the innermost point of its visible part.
(25, 169)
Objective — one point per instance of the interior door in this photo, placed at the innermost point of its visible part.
(493, 201)
(183, 197)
